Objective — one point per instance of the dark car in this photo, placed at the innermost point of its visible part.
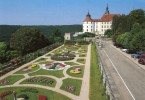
(142, 59)
(130, 51)
(137, 55)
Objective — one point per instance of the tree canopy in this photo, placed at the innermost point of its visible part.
(128, 30)
(26, 40)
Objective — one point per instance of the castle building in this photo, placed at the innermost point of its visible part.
(98, 26)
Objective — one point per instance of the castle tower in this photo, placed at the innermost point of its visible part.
(107, 10)
(88, 24)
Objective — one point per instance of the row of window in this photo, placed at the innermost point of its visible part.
(102, 26)
(97, 22)
(103, 30)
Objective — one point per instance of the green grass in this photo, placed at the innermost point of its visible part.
(45, 62)
(81, 61)
(76, 75)
(58, 73)
(13, 79)
(40, 83)
(33, 69)
(72, 82)
(97, 90)
(82, 55)
(51, 95)
(48, 55)
(41, 59)
(71, 63)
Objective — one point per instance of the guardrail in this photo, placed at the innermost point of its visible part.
(104, 74)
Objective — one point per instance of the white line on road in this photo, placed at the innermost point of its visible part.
(120, 76)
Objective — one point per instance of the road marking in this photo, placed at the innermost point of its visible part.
(120, 76)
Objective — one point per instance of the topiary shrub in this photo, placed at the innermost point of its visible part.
(23, 96)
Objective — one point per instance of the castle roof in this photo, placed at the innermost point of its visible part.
(88, 19)
(106, 18)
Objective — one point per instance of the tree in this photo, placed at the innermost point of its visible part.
(57, 36)
(138, 16)
(108, 33)
(26, 40)
(138, 42)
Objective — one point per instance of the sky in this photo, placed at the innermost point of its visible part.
(60, 12)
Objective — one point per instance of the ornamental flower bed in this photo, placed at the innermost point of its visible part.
(64, 56)
(42, 97)
(3, 94)
(2, 82)
(53, 66)
(29, 68)
(76, 70)
(32, 90)
(45, 80)
(69, 87)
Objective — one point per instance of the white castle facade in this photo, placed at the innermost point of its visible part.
(98, 26)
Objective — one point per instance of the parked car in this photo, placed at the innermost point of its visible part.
(142, 59)
(137, 55)
(124, 50)
(130, 51)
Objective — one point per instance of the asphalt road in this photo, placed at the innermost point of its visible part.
(129, 78)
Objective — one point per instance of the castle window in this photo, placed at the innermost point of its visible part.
(87, 30)
(102, 30)
(102, 26)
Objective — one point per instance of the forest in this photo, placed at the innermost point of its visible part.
(128, 31)
(16, 41)
(7, 30)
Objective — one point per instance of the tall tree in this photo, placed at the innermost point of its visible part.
(26, 40)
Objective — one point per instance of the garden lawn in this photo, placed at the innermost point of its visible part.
(71, 63)
(41, 59)
(72, 82)
(13, 79)
(81, 61)
(34, 96)
(41, 83)
(80, 75)
(82, 55)
(58, 73)
(33, 69)
(97, 90)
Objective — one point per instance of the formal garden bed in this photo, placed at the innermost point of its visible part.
(53, 66)
(57, 73)
(63, 56)
(28, 69)
(81, 61)
(72, 85)
(71, 63)
(33, 93)
(77, 71)
(40, 80)
(11, 79)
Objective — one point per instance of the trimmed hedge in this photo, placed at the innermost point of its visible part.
(17, 62)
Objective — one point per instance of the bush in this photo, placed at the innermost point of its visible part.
(23, 96)
(82, 42)
(70, 42)
(63, 56)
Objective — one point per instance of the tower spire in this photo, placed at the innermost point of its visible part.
(88, 15)
(107, 10)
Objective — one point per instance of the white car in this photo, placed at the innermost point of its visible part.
(124, 50)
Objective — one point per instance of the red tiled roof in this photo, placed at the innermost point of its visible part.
(88, 19)
(106, 18)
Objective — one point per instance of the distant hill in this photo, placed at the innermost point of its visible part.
(7, 30)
